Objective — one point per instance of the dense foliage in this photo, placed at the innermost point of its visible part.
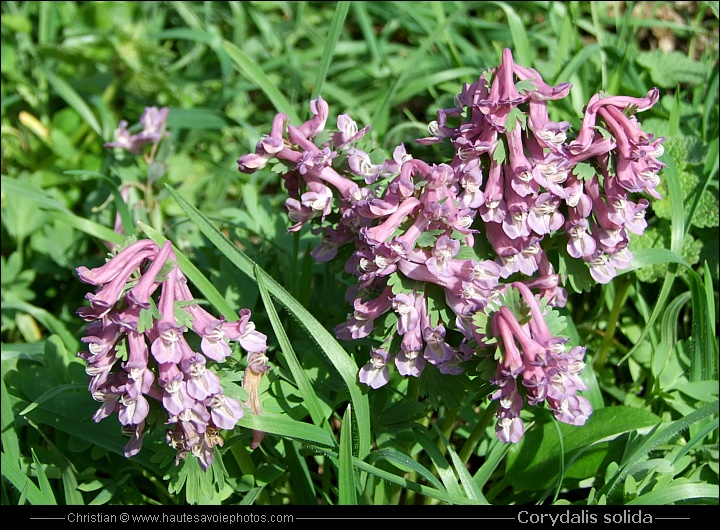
(294, 231)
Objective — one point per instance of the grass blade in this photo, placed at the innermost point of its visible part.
(73, 99)
(45, 487)
(347, 494)
(253, 72)
(655, 439)
(51, 394)
(300, 479)
(10, 445)
(310, 399)
(407, 463)
(522, 51)
(677, 492)
(331, 41)
(12, 472)
(52, 323)
(288, 428)
(408, 484)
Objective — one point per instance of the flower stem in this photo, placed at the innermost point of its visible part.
(622, 288)
(477, 433)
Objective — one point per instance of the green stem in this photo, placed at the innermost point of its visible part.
(471, 443)
(446, 428)
(622, 288)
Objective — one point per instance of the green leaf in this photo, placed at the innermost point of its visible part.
(428, 238)
(499, 153)
(584, 171)
(534, 463)
(667, 70)
(525, 85)
(515, 117)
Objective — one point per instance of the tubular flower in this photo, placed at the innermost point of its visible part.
(460, 249)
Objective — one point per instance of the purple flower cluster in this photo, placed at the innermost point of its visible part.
(153, 122)
(515, 178)
(137, 351)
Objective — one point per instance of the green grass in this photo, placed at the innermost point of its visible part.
(72, 70)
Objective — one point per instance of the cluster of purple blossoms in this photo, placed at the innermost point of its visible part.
(515, 178)
(153, 123)
(137, 351)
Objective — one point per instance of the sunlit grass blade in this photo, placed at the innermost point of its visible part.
(653, 256)
(287, 427)
(406, 463)
(492, 461)
(667, 495)
(246, 65)
(661, 354)
(45, 487)
(472, 490)
(522, 51)
(413, 486)
(251, 496)
(343, 363)
(366, 26)
(310, 399)
(10, 443)
(120, 204)
(347, 492)
(658, 437)
(336, 26)
(697, 438)
(380, 117)
(704, 346)
(73, 497)
(29, 490)
(417, 86)
(442, 467)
